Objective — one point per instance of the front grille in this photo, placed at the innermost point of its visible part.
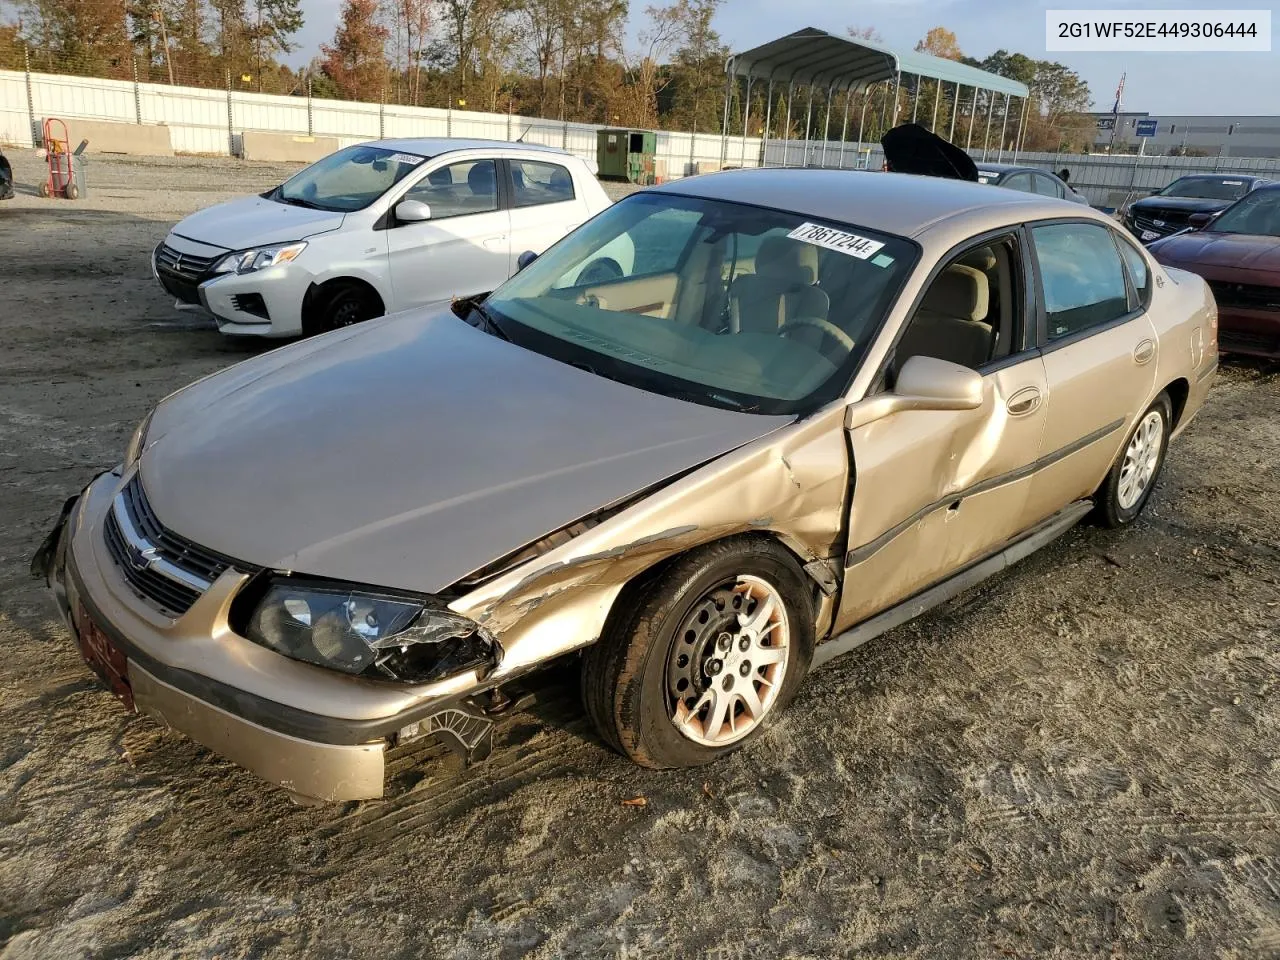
(1247, 296)
(182, 273)
(184, 264)
(164, 567)
(1169, 222)
(170, 596)
(1238, 341)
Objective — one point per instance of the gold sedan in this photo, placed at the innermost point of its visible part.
(805, 406)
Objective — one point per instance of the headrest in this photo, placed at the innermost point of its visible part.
(440, 178)
(561, 182)
(480, 177)
(981, 259)
(517, 176)
(781, 259)
(959, 292)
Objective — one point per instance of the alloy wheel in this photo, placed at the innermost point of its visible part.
(728, 661)
(1141, 458)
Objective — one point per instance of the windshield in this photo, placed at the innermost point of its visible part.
(1207, 188)
(1257, 214)
(350, 179)
(718, 303)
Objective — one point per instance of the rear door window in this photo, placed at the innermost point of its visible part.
(1046, 186)
(1019, 181)
(1082, 277)
(535, 183)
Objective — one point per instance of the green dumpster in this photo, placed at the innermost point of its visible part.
(626, 155)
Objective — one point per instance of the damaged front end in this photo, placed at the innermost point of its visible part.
(364, 632)
(555, 596)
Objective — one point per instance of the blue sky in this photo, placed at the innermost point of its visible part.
(1200, 83)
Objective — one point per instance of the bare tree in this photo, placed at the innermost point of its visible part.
(656, 41)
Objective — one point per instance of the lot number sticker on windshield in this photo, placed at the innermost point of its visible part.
(847, 243)
(408, 158)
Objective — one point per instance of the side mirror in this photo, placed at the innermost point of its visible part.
(1198, 220)
(925, 383)
(525, 259)
(412, 211)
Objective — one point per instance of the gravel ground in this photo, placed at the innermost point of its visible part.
(1079, 758)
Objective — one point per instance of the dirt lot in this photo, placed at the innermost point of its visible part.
(1080, 758)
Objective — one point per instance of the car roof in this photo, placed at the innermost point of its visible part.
(1008, 168)
(1250, 177)
(434, 146)
(896, 203)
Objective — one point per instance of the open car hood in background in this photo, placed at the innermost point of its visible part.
(910, 148)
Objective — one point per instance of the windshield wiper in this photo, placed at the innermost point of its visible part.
(297, 202)
(488, 323)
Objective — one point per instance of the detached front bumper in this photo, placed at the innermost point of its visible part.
(179, 672)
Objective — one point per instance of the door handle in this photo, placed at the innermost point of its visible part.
(1023, 402)
(1144, 351)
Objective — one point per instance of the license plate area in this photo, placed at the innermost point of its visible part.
(1150, 235)
(103, 657)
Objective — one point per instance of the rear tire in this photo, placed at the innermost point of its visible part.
(348, 303)
(1125, 492)
(671, 683)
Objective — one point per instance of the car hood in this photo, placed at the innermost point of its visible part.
(1187, 205)
(253, 221)
(1206, 248)
(411, 452)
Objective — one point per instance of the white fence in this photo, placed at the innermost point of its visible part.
(204, 121)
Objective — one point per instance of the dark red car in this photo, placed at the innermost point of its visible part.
(1238, 253)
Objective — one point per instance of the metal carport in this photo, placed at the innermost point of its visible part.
(816, 59)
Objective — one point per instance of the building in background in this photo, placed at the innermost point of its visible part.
(1190, 135)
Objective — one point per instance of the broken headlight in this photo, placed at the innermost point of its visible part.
(367, 634)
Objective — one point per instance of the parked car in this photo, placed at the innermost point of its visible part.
(818, 403)
(1028, 180)
(6, 179)
(1171, 209)
(374, 229)
(1238, 253)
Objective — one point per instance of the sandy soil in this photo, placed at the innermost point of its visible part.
(1080, 758)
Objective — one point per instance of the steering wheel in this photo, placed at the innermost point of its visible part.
(825, 327)
(600, 270)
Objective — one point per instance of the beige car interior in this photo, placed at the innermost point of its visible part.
(967, 314)
(781, 284)
(783, 288)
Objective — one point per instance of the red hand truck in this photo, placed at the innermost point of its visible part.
(62, 180)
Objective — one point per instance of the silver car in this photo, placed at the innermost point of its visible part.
(816, 404)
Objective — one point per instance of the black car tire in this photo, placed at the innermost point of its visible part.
(625, 681)
(348, 303)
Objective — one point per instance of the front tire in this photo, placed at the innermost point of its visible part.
(704, 657)
(1128, 486)
(349, 303)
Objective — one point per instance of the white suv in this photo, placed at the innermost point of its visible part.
(373, 229)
